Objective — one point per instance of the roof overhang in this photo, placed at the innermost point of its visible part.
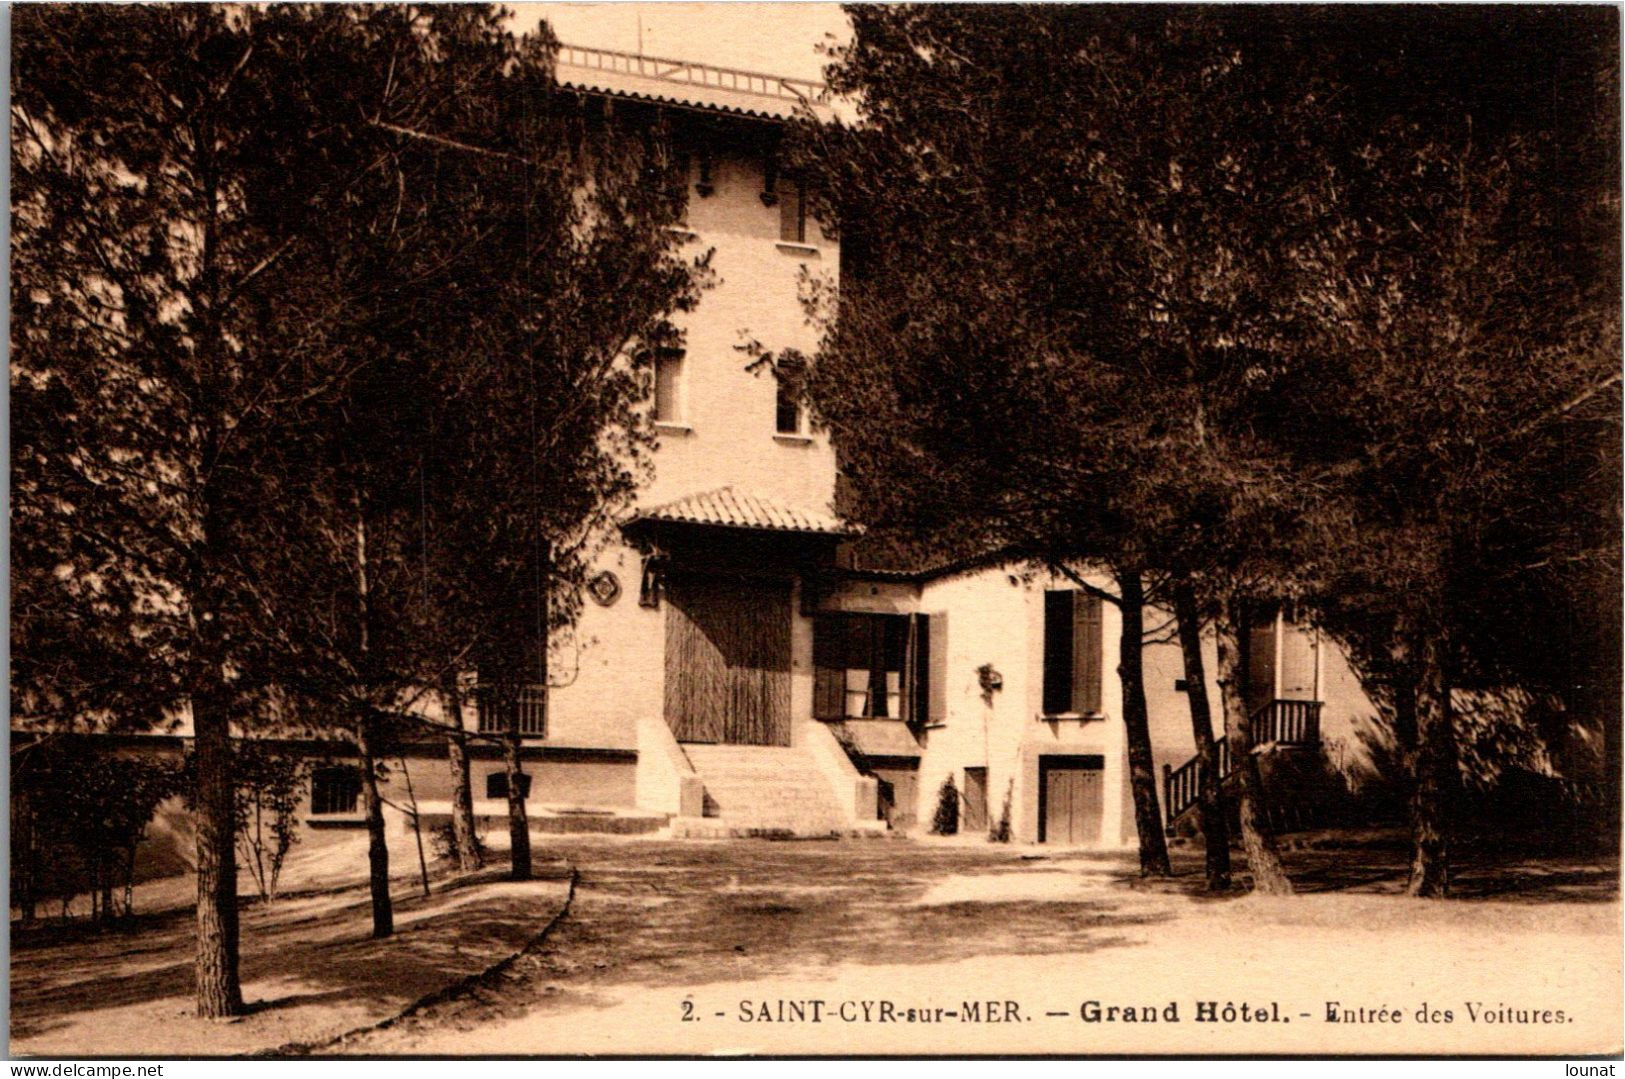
(738, 511)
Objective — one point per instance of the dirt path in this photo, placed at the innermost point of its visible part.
(663, 937)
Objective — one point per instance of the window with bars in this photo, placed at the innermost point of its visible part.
(498, 710)
(335, 789)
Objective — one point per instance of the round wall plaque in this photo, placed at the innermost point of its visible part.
(604, 588)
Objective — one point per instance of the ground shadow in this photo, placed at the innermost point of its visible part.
(323, 946)
(1381, 866)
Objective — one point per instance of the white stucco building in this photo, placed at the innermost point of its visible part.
(727, 675)
(740, 667)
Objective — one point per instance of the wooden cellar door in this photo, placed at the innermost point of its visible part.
(1073, 790)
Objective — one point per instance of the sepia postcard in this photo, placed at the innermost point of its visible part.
(795, 530)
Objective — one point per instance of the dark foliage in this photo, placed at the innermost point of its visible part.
(945, 820)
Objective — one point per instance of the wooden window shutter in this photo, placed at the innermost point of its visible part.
(829, 676)
(1086, 653)
(1060, 614)
(792, 212)
(936, 630)
(910, 676)
(918, 691)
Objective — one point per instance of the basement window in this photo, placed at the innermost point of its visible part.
(496, 786)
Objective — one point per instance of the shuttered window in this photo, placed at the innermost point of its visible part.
(792, 212)
(871, 666)
(919, 650)
(1072, 653)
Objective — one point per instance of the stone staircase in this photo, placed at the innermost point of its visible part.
(769, 791)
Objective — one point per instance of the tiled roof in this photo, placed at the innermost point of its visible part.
(888, 554)
(680, 82)
(731, 508)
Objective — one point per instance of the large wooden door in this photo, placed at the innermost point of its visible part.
(728, 660)
(1073, 793)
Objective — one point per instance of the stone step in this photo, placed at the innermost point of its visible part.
(626, 823)
(762, 790)
(719, 828)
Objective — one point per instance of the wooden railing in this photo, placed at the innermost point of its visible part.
(1288, 723)
(1182, 786)
(1283, 723)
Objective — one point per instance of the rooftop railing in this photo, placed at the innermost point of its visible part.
(688, 73)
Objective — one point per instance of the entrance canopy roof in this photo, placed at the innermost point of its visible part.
(729, 507)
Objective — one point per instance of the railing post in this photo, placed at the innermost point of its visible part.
(1168, 793)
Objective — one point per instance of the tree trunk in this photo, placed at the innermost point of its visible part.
(366, 742)
(129, 878)
(1210, 806)
(104, 874)
(1433, 771)
(518, 825)
(1263, 859)
(1142, 768)
(26, 867)
(219, 992)
(417, 823)
(464, 837)
(383, 912)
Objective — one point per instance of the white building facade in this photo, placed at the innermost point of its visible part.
(745, 684)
